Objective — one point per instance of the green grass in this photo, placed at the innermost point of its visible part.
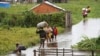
(8, 38)
(75, 6)
(25, 36)
(17, 8)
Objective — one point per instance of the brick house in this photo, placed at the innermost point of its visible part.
(46, 7)
(54, 1)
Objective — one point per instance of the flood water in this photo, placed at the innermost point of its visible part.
(90, 28)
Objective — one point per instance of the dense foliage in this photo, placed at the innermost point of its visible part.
(98, 43)
(29, 19)
(89, 43)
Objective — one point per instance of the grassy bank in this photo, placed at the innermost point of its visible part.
(8, 38)
(25, 36)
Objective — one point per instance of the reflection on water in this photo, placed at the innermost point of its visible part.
(53, 44)
(90, 28)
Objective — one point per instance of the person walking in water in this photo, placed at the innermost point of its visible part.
(84, 12)
(48, 31)
(55, 32)
(42, 35)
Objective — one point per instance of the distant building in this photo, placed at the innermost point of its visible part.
(2, 0)
(53, 1)
(20, 1)
(46, 7)
(34, 1)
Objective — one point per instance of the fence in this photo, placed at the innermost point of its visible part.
(62, 52)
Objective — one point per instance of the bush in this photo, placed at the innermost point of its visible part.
(6, 27)
(31, 19)
(2, 16)
(87, 44)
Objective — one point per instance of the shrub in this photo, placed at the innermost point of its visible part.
(31, 19)
(88, 44)
(2, 16)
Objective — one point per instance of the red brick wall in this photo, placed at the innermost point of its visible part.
(44, 8)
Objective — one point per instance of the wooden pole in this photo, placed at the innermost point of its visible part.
(56, 52)
(72, 53)
(92, 52)
(68, 19)
(34, 52)
(63, 51)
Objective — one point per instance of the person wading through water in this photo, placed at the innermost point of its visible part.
(42, 35)
(48, 31)
(84, 13)
(55, 32)
(19, 48)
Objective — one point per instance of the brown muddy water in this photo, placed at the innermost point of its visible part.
(90, 28)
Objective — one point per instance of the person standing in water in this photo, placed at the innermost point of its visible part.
(42, 35)
(84, 12)
(55, 32)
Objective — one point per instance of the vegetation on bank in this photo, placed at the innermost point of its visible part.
(25, 36)
(89, 44)
(30, 19)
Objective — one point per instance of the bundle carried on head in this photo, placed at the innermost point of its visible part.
(42, 24)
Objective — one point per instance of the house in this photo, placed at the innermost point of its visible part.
(46, 7)
(54, 1)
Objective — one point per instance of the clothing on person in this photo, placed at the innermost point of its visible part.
(19, 48)
(48, 31)
(84, 12)
(41, 32)
(42, 35)
(55, 32)
(88, 9)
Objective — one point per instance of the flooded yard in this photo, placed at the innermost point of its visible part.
(90, 28)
